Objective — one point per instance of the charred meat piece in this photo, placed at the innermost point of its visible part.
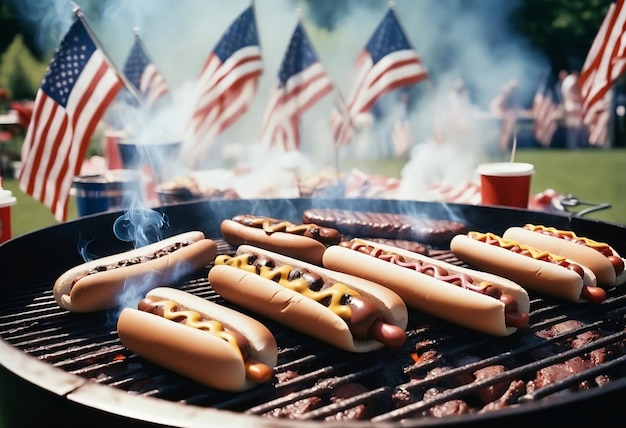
(449, 408)
(492, 392)
(359, 412)
(285, 376)
(402, 397)
(516, 389)
(451, 382)
(560, 328)
(386, 225)
(296, 409)
(554, 331)
(556, 372)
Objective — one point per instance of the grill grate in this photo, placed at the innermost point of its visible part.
(434, 367)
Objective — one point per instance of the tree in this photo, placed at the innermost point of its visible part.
(563, 29)
(12, 24)
(21, 72)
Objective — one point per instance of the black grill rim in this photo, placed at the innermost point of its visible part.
(115, 401)
(160, 412)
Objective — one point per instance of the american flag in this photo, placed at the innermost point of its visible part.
(76, 90)
(387, 62)
(302, 81)
(143, 74)
(545, 111)
(229, 79)
(605, 62)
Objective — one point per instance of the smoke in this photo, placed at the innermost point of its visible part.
(140, 225)
(455, 39)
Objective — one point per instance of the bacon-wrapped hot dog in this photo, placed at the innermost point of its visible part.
(209, 343)
(532, 268)
(477, 300)
(348, 312)
(302, 241)
(98, 284)
(601, 258)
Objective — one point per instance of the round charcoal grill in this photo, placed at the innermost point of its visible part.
(64, 369)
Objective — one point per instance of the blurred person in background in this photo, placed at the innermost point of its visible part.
(558, 86)
(505, 105)
(576, 134)
(455, 120)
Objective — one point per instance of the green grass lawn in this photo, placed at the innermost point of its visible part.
(29, 214)
(591, 175)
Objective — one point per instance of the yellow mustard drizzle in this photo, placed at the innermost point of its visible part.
(280, 274)
(238, 262)
(271, 225)
(195, 319)
(507, 243)
(566, 233)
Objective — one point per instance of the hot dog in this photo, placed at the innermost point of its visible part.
(302, 241)
(204, 341)
(480, 301)
(534, 269)
(348, 312)
(98, 284)
(601, 258)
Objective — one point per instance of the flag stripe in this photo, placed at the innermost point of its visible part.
(212, 101)
(234, 103)
(302, 82)
(143, 74)
(216, 71)
(299, 94)
(595, 52)
(544, 110)
(228, 81)
(153, 84)
(387, 62)
(605, 63)
(91, 84)
(393, 73)
(65, 116)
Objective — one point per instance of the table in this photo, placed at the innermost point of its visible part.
(8, 119)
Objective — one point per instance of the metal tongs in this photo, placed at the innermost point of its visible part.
(569, 201)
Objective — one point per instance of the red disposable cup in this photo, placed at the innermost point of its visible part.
(111, 148)
(505, 183)
(7, 200)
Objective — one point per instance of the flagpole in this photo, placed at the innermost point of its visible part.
(79, 14)
(344, 128)
(339, 96)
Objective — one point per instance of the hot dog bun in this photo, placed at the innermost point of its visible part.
(433, 296)
(573, 248)
(78, 291)
(276, 237)
(192, 352)
(541, 276)
(301, 313)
